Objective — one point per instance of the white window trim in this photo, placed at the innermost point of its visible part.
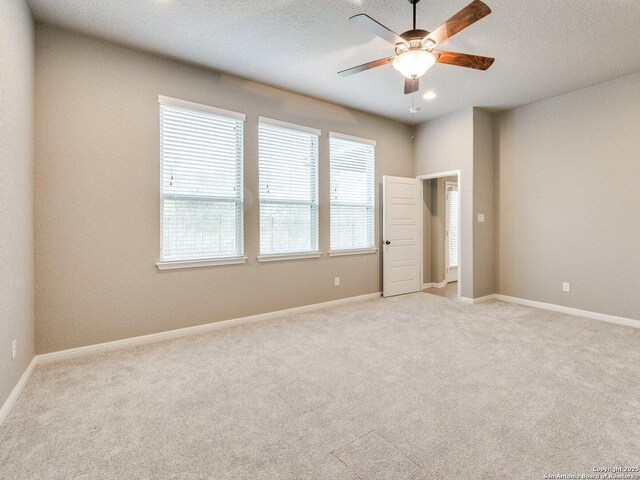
(162, 100)
(203, 262)
(293, 126)
(355, 251)
(447, 255)
(352, 138)
(278, 257)
(207, 262)
(316, 205)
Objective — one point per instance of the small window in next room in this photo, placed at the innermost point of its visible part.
(201, 182)
(352, 193)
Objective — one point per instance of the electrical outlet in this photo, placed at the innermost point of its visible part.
(566, 287)
(481, 218)
(336, 281)
(14, 349)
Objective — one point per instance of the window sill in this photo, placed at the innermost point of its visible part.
(207, 262)
(358, 251)
(288, 256)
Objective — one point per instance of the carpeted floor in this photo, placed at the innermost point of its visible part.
(412, 387)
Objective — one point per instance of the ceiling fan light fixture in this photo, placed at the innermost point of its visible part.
(428, 44)
(414, 63)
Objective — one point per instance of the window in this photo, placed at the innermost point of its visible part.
(352, 189)
(288, 188)
(201, 157)
(453, 221)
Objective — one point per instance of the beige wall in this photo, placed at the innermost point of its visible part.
(443, 145)
(434, 196)
(464, 141)
(16, 191)
(484, 272)
(569, 198)
(97, 189)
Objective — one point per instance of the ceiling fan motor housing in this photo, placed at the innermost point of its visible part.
(415, 40)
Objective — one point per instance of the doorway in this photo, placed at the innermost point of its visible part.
(441, 234)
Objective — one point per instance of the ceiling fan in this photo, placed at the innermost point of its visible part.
(415, 49)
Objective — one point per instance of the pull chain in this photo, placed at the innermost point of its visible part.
(413, 112)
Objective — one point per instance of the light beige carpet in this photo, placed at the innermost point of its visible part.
(413, 387)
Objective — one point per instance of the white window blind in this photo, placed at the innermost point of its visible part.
(352, 190)
(453, 223)
(288, 162)
(201, 186)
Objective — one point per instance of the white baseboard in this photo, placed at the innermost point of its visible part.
(183, 332)
(17, 390)
(476, 301)
(629, 322)
(570, 311)
(157, 337)
(486, 298)
(433, 285)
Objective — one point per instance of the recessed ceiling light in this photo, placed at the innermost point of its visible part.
(429, 95)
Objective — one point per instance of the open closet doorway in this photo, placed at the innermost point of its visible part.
(441, 234)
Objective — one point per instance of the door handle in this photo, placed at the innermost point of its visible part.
(387, 242)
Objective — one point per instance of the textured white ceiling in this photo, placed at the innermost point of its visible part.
(542, 48)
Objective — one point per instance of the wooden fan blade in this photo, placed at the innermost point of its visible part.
(411, 85)
(464, 60)
(366, 66)
(375, 27)
(469, 15)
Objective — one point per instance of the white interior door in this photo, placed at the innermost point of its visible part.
(452, 231)
(401, 235)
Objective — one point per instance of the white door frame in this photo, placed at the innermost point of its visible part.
(431, 176)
